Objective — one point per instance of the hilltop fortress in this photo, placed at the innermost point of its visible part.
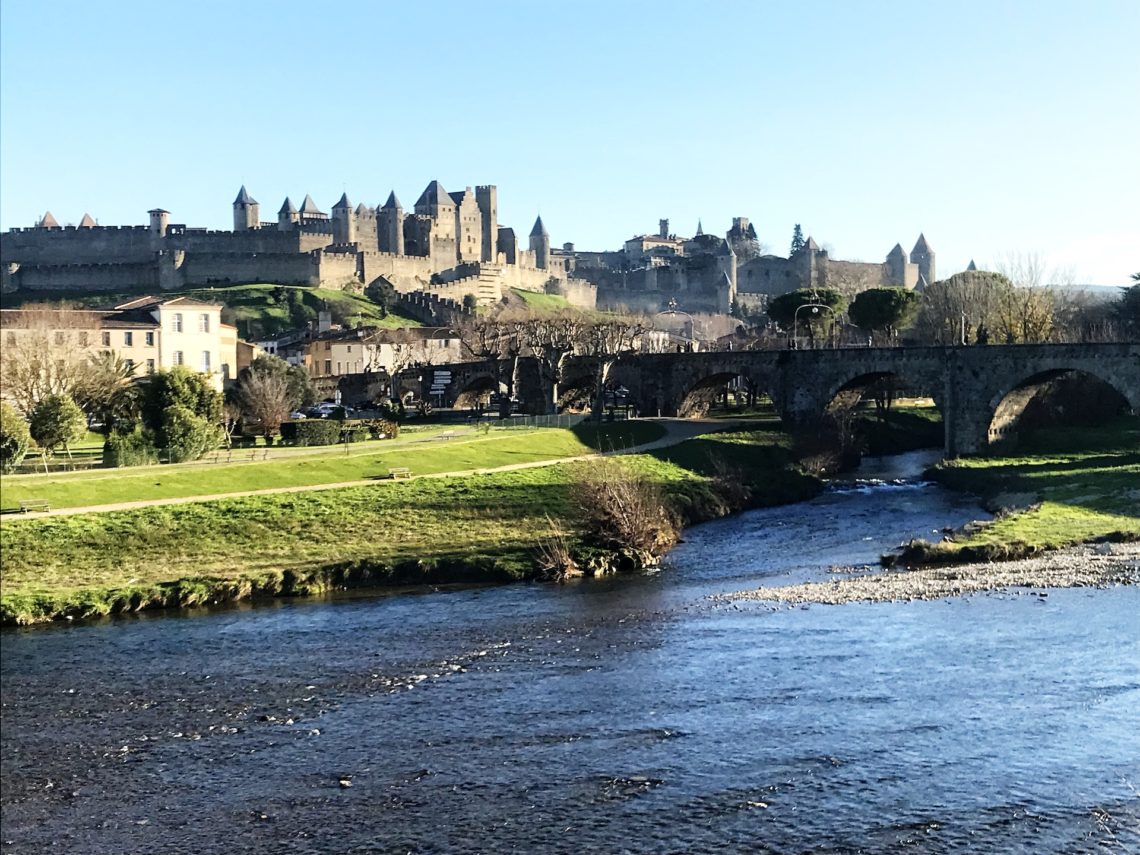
(450, 250)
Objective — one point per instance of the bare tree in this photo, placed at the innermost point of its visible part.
(264, 398)
(608, 339)
(46, 356)
(552, 339)
(954, 310)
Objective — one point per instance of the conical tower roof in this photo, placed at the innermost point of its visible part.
(87, 222)
(343, 204)
(921, 245)
(434, 194)
(47, 221)
(539, 229)
(243, 198)
(361, 209)
(393, 202)
(287, 207)
(700, 229)
(971, 265)
(811, 244)
(897, 252)
(309, 206)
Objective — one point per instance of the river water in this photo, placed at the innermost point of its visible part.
(623, 715)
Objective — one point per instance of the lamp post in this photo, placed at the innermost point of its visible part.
(815, 307)
(673, 310)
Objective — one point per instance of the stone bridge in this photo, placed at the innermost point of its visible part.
(981, 391)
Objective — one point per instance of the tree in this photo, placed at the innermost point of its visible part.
(552, 339)
(14, 438)
(264, 397)
(106, 395)
(607, 340)
(57, 420)
(785, 309)
(798, 241)
(1127, 308)
(48, 356)
(1025, 315)
(884, 309)
(184, 411)
(952, 307)
(185, 435)
(299, 388)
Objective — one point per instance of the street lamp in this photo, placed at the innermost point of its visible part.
(673, 310)
(815, 307)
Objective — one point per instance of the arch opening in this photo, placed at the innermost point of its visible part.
(886, 413)
(1055, 407)
(726, 393)
(477, 393)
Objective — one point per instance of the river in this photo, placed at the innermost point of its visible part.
(630, 714)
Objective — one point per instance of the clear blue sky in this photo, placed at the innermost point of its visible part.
(990, 126)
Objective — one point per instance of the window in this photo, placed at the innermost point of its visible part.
(178, 322)
(178, 357)
(338, 368)
(83, 342)
(59, 337)
(205, 362)
(106, 339)
(225, 371)
(328, 366)
(128, 339)
(130, 363)
(203, 323)
(150, 339)
(150, 366)
(348, 349)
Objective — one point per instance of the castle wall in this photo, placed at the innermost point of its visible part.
(281, 268)
(405, 272)
(78, 246)
(336, 268)
(86, 277)
(851, 277)
(253, 241)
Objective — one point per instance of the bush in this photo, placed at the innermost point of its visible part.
(186, 435)
(14, 438)
(57, 420)
(624, 511)
(391, 410)
(311, 432)
(383, 429)
(130, 449)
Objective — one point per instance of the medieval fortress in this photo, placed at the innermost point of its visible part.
(450, 247)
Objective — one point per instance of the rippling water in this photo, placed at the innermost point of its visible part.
(625, 715)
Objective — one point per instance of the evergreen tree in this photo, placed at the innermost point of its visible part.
(798, 241)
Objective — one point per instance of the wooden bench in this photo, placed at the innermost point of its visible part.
(397, 472)
(34, 505)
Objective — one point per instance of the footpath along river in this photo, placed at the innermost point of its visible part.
(632, 714)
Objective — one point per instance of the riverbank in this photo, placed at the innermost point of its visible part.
(1065, 487)
(1100, 566)
(479, 528)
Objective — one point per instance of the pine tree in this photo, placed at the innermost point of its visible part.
(797, 240)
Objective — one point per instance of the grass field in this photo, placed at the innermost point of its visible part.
(369, 460)
(1058, 497)
(541, 302)
(482, 527)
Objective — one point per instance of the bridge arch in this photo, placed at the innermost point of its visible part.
(477, 389)
(1009, 403)
(700, 395)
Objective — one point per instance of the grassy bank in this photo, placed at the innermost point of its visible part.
(1046, 497)
(484, 527)
(368, 460)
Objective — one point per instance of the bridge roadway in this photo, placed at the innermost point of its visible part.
(980, 390)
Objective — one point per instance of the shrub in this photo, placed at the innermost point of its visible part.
(624, 511)
(391, 410)
(187, 436)
(383, 429)
(131, 449)
(311, 432)
(14, 438)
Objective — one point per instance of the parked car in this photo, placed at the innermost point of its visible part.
(297, 415)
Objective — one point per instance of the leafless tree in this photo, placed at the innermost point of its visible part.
(607, 339)
(264, 398)
(552, 339)
(45, 354)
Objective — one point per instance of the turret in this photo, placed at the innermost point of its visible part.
(159, 220)
(487, 198)
(247, 213)
(88, 222)
(287, 217)
(896, 266)
(390, 226)
(923, 256)
(343, 223)
(47, 221)
(540, 244)
(663, 229)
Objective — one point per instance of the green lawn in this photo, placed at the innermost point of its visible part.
(1089, 492)
(541, 302)
(322, 466)
(479, 527)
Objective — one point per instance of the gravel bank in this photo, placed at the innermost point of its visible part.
(1081, 566)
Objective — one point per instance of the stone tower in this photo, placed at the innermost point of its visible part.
(663, 229)
(343, 223)
(540, 244)
(896, 267)
(287, 217)
(923, 256)
(390, 226)
(159, 220)
(247, 214)
(487, 198)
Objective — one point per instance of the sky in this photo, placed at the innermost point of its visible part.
(992, 127)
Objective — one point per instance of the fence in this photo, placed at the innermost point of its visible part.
(561, 421)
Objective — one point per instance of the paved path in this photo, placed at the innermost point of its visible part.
(676, 431)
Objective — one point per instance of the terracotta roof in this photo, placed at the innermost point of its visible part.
(47, 221)
(87, 222)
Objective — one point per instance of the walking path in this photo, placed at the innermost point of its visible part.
(676, 431)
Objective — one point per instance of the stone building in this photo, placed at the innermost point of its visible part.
(450, 245)
(150, 333)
